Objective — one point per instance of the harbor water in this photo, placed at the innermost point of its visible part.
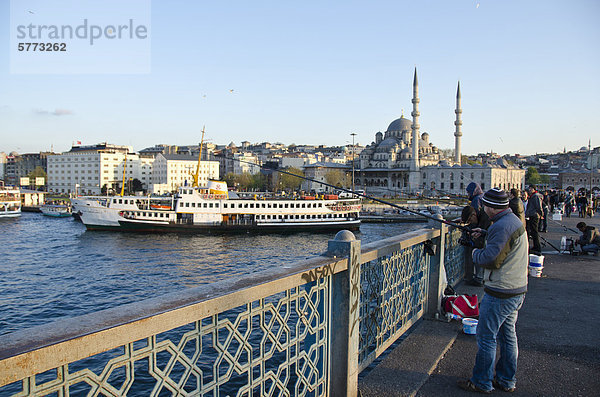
(52, 268)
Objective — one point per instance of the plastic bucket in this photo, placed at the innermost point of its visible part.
(557, 217)
(469, 326)
(536, 260)
(535, 271)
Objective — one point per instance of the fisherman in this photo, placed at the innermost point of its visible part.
(590, 239)
(475, 195)
(469, 216)
(516, 204)
(533, 214)
(505, 260)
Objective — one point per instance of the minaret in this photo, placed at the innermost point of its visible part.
(415, 125)
(458, 127)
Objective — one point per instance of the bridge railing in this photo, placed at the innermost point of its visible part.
(307, 328)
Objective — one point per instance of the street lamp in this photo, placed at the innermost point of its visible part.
(353, 135)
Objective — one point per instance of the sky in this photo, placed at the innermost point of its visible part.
(309, 72)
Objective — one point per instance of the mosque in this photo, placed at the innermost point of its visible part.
(402, 160)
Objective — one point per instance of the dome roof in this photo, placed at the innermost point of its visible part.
(400, 124)
(387, 143)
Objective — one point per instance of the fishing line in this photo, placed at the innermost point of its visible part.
(456, 225)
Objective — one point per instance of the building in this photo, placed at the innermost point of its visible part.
(326, 172)
(17, 166)
(579, 179)
(170, 171)
(402, 160)
(92, 169)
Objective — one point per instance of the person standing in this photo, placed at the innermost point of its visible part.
(505, 260)
(516, 205)
(475, 195)
(569, 204)
(533, 214)
(543, 226)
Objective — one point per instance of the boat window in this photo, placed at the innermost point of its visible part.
(217, 205)
(264, 205)
(303, 205)
(246, 205)
(224, 205)
(205, 205)
(280, 216)
(320, 205)
(280, 205)
(210, 205)
(297, 216)
(251, 205)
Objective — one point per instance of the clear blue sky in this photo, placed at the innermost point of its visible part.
(312, 72)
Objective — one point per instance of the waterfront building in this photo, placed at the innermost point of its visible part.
(402, 160)
(170, 171)
(17, 166)
(90, 169)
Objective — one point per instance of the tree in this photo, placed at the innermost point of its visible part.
(289, 182)
(532, 176)
(136, 185)
(338, 178)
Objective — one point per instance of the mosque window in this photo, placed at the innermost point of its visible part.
(424, 175)
(442, 175)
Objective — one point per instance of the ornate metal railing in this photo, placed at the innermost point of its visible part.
(454, 257)
(306, 329)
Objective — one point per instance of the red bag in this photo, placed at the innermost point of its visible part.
(462, 305)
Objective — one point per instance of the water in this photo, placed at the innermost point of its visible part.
(53, 268)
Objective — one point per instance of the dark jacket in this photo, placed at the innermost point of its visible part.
(534, 206)
(516, 205)
(590, 236)
(475, 194)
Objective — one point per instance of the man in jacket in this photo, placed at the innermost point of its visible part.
(533, 214)
(475, 275)
(516, 204)
(505, 260)
(590, 239)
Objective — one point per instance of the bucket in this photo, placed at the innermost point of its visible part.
(469, 326)
(536, 260)
(557, 216)
(535, 271)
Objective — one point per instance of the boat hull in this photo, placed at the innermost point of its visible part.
(145, 227)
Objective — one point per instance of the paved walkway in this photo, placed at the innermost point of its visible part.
(558, 331)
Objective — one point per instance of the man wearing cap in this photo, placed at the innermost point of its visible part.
(504, 259)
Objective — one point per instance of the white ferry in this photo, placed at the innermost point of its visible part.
(197, 210)
(10, 201)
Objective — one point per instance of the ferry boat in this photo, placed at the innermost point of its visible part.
(211, 209)
(55, 210)
(10, 201)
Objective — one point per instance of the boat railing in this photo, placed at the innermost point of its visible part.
(306, 327)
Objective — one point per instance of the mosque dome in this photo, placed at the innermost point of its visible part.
(400, 124)
(387, 144)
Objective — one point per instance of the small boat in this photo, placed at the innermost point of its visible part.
(56, 210)
(10, 201)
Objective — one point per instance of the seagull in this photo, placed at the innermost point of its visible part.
(31, 12)
(477, 5)
(231, 90)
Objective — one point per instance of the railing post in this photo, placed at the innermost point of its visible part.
(345, 295)
(437, 274)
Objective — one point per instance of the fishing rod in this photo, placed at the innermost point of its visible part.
(448, 201)
(565, 227)
(453, 224)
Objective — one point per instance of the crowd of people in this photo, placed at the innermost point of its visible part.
(496, 257)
